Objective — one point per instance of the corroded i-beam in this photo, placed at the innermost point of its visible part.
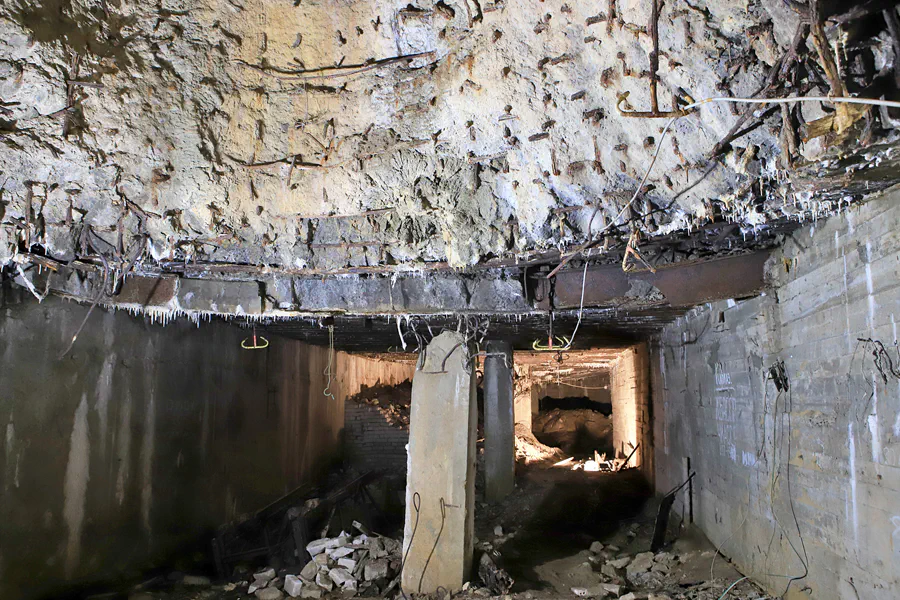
(682, 285)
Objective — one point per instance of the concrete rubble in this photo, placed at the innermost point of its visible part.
(348, 565)
(609, 573)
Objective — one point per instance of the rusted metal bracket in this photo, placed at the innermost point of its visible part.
(654, 112)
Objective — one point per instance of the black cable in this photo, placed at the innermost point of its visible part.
(437, 538)
(417, 504)
(805, 559)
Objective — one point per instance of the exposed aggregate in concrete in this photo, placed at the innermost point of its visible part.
(184, 132)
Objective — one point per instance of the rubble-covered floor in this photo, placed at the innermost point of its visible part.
(562, 533)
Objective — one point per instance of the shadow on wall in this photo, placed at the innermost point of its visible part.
(143, 438)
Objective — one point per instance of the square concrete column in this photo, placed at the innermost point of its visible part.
(440, 484)
(522, 396)
(499, 434)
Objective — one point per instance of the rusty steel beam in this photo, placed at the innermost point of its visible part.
(683, 285)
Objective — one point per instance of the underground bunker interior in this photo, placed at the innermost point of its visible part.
(434, 299)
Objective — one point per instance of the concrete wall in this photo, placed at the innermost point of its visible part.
(144, 437)
(828, 450)
(630, 392)
(370, 441)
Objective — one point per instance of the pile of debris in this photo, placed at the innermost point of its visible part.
(529, 450)
(393, 402)
(646, 576)
(367, 564)
(576, 431)
(596, 464)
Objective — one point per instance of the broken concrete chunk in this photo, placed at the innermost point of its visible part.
(324, 581)
(641, 563)
(292, 586)
(498, 530)
(317, 547)
(311, 591)
(321, 560)
(376, 548)
(309, 571)
(376, 569)
(580, 592)
(340, 552)
(621, 563)
(269, 593)
(340, 576)
(612, 588)
(595, 591)
(263, 578)
(609, 570)
(391, 546)
(596, 547)
(350, 564)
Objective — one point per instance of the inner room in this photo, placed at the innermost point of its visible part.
(449, 300)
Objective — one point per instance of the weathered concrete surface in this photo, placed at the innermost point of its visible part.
(499, 436)
(522, 396)
(441, 473)
(144, 437)
(187, 120)
(828, 450)
(630, 394)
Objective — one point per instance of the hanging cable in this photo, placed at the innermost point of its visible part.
(417, 505)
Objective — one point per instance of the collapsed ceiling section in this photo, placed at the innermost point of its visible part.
(271, 141)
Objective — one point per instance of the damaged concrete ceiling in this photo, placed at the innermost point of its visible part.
(270, 143)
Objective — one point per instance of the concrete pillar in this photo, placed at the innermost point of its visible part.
(440, 485)
(499, 436)
(522, 397)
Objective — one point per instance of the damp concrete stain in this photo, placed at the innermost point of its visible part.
(146, 458)
(76, 482)
(123, 447)
(870, 289)
(851, 442)
(11, 467)
(104, 394)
